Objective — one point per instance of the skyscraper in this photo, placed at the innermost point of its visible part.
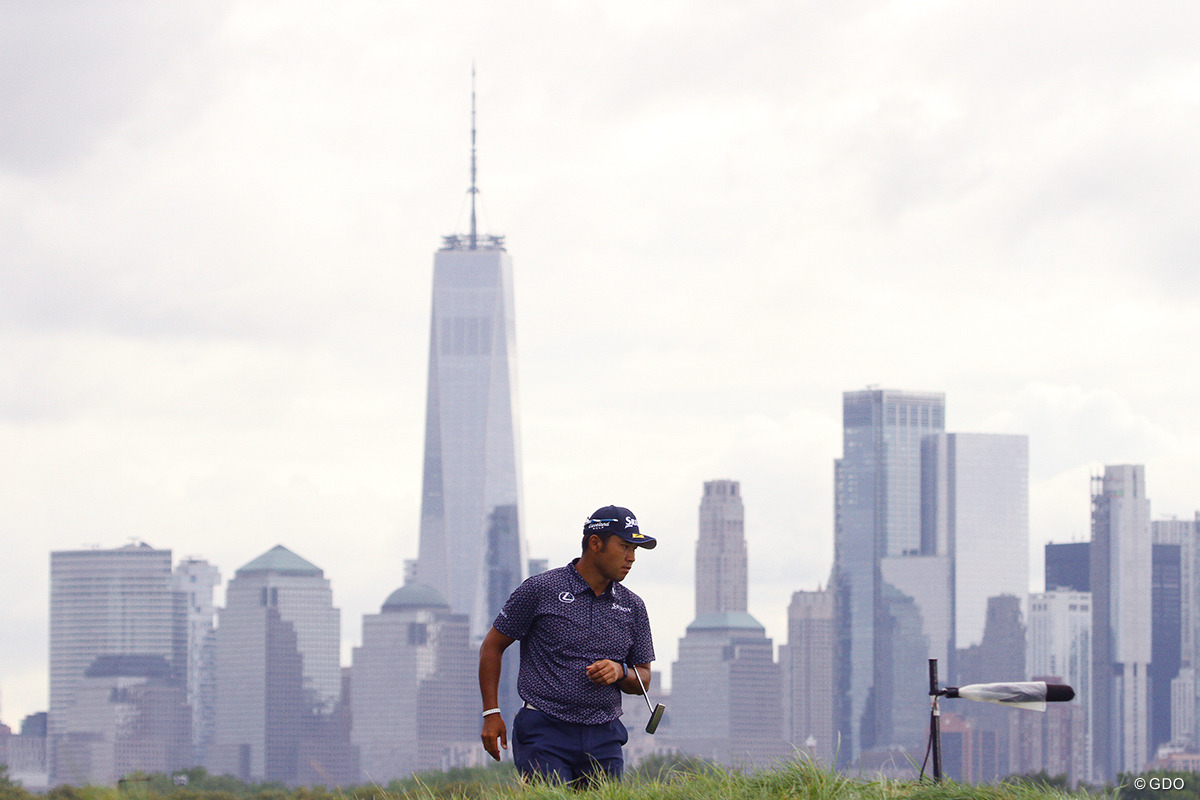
(1059, 645)
(105, 604)
(1121, 619)
(976, 503)
(472, 550)
(1068, 567)
(721, 550)
(1166, 628)
(877, 514)
(195, 581)
(807, 665)
(726, 691)
(414, 686)
(1183, 690)
(278, 674)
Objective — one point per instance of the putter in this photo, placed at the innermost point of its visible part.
(656, 713)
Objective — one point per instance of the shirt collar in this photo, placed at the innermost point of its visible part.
(581, 585)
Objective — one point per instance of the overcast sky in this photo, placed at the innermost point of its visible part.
(218, 222)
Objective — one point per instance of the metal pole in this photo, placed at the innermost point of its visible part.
(935, 733)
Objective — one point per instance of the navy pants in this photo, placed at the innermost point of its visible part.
(566, 752)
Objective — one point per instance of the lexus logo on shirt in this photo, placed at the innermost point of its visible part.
(566, 597)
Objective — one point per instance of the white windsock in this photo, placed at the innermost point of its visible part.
(1027, 694)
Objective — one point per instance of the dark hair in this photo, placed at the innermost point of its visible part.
(604, 537)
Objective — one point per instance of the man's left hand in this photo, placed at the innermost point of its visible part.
(605, 671)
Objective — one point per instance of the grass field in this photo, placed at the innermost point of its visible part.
(695, 781)
(794, 781)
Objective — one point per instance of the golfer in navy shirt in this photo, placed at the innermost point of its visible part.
(582, 634)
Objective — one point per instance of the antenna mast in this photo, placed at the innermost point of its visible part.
(474, 237)
(472, 240)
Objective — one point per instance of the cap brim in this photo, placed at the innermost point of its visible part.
(642, 540)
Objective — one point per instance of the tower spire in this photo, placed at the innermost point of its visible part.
(474, 235)
(473, 239)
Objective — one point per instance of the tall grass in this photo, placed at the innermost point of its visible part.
(688, 780)
(796, 780)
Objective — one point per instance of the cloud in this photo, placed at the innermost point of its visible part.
(76, 72)
(219, 223)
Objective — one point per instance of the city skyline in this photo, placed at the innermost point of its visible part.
(354, 623)
(90, 580)
(218, 220)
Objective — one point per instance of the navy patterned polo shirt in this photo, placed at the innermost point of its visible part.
(563, 626)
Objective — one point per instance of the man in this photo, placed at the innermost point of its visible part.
(582, 634)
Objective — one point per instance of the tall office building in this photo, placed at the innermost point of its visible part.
(129, 714)
(278, 676)
(1121, 619)
(195, 582)
(975, 507)
(721, 550)
(472, 550)
(976, 501)
(807, 664)
(414, 687)
(877, 504)
(999, 656)
(726, 691)
(1183, 695)
(1059, 645)
(1165, 639)
(104, 604)
(1068, 567)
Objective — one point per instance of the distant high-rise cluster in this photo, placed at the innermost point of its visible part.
(118, 665)
(930, 527)
(930, 562)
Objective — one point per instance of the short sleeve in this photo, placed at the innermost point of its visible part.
(518, 612)
(642, 649)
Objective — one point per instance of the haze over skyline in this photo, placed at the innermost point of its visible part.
(220, 217)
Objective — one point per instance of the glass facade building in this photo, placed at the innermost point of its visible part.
(977, 497)
(472, 551)
(1183, 694)
(1067, 566)
(877, 514)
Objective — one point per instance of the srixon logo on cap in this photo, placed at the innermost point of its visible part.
(631, 522)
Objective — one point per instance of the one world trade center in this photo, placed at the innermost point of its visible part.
(472, 549)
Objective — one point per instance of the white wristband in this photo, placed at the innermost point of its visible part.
(491, 711)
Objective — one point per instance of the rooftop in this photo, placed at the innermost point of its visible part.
(725, 620)
(414, 595)
(280, 560)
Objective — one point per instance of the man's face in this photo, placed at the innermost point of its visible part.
(615, 558)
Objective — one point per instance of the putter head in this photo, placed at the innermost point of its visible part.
(655, 718)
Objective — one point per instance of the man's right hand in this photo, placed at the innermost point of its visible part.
(494, 730)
